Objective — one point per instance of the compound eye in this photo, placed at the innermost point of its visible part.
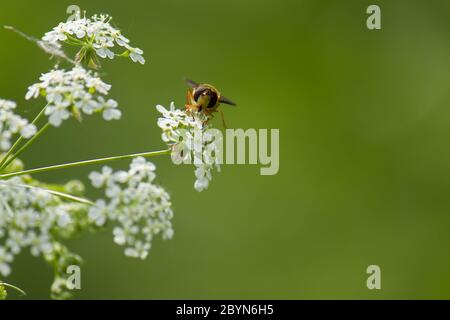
(213, 100)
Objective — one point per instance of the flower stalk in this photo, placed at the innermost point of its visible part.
(85, 163)
(25, 146)
(20, 139)
(4, 284)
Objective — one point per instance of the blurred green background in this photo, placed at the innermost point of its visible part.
(364, 122)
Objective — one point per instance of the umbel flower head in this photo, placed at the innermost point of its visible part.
(140, 208)
(96, 37)
(31, 217)
(12, 124)
(192, 141)
(73, 92)
(35, 217)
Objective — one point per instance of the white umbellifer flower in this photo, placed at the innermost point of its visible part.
(191, 142)
(99, 213)
(73, 92)
(39, 244)
(110, 110)
(140, 250)
(11, 124)
(96, 34)
(136, 54)
(100, 179)
(35, 219)
(139, 207)
(5, 259)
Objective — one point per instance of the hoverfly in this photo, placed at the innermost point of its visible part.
(205, 98)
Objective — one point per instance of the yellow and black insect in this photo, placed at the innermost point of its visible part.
(205, 98)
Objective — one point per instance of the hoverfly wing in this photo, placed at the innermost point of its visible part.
(227, 101)
(191, 83)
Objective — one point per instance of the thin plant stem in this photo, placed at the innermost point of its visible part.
(21, 138)
(52, 192)
(25, 146)
(85, 163)
(45, 46)
(13, 287)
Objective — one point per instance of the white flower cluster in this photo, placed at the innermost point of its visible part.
(141, 208)
(11, 124)
(192, 141)
(71, 92)
(33, 218)
(97, 32)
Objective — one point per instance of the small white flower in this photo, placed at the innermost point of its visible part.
(122, 176)
(100, 179)
(97, 84)
(104, 52)
(98, 213)
(203, 177)
(57, 113)
(28, 131)
(136, 55)
(5, 259)
(142, 168)
(16, 239)
(126, 234)
(39, 244)
(86, 103)
(110, 110)
(140, 250)
(63, 217)
(33, 91)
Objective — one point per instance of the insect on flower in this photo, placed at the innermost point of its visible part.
(205, 98)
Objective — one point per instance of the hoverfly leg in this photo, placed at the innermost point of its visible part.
(223, 119)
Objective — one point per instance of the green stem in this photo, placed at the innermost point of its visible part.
(25, 146)
(52, 192)
(74, 40)
(13, 287)
(85, 163)
(21, 138)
